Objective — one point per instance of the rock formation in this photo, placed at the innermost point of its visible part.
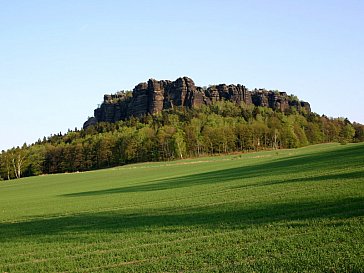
(154, 96)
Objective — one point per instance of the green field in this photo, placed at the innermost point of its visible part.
(296, 210)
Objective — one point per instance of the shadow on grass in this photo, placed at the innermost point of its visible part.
(316, 162)
(316, 178)
(220, 217)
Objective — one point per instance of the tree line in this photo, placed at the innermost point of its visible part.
(221, 128)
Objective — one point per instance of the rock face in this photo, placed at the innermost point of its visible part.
(154, 96)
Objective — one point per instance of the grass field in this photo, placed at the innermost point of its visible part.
(277, 211)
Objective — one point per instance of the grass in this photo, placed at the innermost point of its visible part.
(278, 211)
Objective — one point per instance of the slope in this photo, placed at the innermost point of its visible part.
(287, 210)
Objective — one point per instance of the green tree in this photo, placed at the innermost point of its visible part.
(347, 133)
(19, 160)
(244, 136)
(288, 137)
(5, 167)
(193, 137)
(260, 133)
(179, 143)
(222, 127)
(300, 135)
(274, 127)
(36, 157)
(314, 133)
(147, 144)
(359, 132)
(166, 142)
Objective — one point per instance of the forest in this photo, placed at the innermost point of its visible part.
(221, 128)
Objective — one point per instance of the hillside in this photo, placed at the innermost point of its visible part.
(169, 120)
(297, 210)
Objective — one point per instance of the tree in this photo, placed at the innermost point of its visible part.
(5, 165)
(102, 147)
(193, 137)
(208, 139)
(347, 133)
(222, 127)
(36, 157)
(275, 125)
(146, 144)
(166, 142)
(359, 132)
(18, 159)
(332, 130)
(179, 143)
(260, 133)
(314, 133)
(300, 135)
(53, 158)
(131, 144)
(289, 138)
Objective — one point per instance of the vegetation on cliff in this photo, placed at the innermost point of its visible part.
(219, 128)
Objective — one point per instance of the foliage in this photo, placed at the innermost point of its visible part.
(221, 128)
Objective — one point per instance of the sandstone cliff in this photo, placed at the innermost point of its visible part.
(153, 96)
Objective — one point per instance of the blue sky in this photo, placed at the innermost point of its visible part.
(58, 58)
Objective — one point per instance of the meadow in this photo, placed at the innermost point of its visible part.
(299, 210)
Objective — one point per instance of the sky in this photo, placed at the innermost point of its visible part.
(58, 58)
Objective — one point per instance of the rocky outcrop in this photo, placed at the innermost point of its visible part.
(235, 93)
(154, 96)
(114, 108)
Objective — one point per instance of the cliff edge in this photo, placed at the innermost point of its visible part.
(154, 96)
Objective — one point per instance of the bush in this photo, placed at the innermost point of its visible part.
(343, 142)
